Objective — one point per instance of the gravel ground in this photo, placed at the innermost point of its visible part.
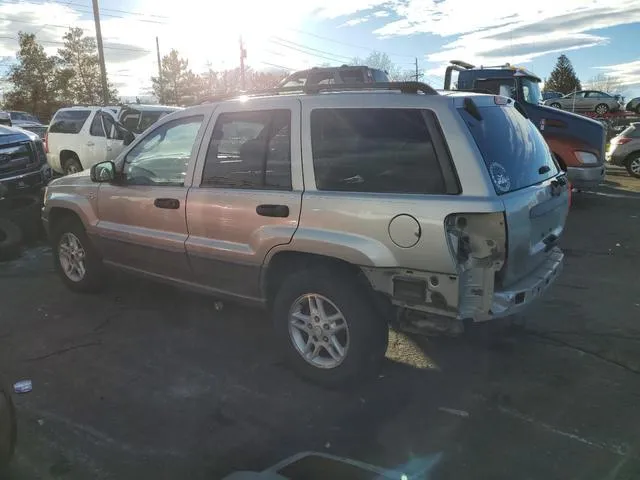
(146, 381)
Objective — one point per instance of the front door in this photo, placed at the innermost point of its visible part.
(115, 136)
(142, 224)
(246, 193)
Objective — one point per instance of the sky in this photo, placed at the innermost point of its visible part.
(598, 37)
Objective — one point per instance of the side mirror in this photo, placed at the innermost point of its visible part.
(128, 138)
(103, 172)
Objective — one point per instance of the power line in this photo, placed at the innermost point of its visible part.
(310, 48)
(107, 47)
(333, 59)
(275, 65)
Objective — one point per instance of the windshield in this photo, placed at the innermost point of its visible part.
(531, 91)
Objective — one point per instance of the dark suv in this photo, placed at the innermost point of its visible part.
(335, 75)
(23, 163)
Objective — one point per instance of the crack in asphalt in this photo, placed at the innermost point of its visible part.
(65, 350)
(562, 343)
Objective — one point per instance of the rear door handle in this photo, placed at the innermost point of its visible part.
(168, 203)
(90, 144)
(281, 211)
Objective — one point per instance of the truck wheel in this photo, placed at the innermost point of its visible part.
(633, 165)
(72, 165)
(556, 105)
(8, 429)
(10, 238)
(326, 323)
(601, 108)
(75, 258)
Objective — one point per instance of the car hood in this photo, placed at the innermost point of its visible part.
(82, 178)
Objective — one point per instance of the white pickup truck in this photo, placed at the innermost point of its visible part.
(79, 137)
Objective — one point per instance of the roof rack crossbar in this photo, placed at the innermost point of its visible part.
(404, 87)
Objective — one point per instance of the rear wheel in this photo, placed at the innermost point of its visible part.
(75, 257)
(72, 165)
(633, 165)
(328, 327)
(556, 105)
(601, 108)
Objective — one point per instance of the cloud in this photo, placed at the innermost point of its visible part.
(354, 21)
(628, 73)
(495, 32)
(381, 14)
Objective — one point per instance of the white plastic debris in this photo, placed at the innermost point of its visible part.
(618, 245)
(327, 445)
(218, 306)
(453, 411)
(23, 386)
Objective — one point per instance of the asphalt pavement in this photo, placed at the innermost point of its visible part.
(145, 381)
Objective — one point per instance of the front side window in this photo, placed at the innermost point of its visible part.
(250, 150)
(531, 91)
(69, 121)
(162, 157)
(380, 150)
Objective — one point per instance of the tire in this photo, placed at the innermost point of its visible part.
(638, 109)
(8, 430)
(556, 105)
(632, 164)
(364, 340)
(72, 165)
(601, 108)
(10, 238)
(70, 237)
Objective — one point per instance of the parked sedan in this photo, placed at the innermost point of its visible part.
(625, 149)
(586, 101)
(633, 105)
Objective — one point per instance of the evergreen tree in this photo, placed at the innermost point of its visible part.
(563, 77)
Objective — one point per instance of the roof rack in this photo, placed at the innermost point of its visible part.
(403, 87)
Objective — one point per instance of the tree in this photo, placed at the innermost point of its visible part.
(33, 77)
(606, 83)
(563, 77)
(81, 69)
(381, 61)
(177, 83)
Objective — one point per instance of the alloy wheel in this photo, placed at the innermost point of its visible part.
(319, 331)
(72, 257)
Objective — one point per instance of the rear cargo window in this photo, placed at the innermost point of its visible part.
(514, 151)
(379, 150)
(69, 121)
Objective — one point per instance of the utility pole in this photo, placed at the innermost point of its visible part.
(417, 76)
(160, 81)
(243, 55)
(103, 69)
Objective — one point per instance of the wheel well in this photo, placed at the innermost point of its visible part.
(284, 263)
(632, 155)
(57, 215)
(65, 155)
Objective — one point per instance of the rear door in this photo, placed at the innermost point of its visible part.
(94, 145)
(115, 136)
(246, 193)
(526, 179)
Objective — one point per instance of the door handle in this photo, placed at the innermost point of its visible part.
(281, 211)
(90, 144)
(168, 203)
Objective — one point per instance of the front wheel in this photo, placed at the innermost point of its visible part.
(601, 108)
(633, 165)
(556, 105)
(75, 257)
(328, 327)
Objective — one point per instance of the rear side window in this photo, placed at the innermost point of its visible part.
(379, 150)
(379, 76)
(514, 151)
(69, 121)
(352, 76)
(250, 150)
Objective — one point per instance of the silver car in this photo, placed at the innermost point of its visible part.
(624, 149)
(586, 101)
(339, 211)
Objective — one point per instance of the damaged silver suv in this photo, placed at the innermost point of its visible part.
(338, 209)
